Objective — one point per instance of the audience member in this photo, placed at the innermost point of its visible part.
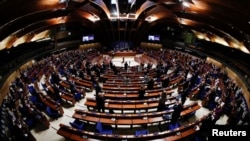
(231, 96)
(142, 92)
(126, 65)
(177, 112)
(100, 103)
(151, 84)
(98, 88)
(165, 82)
(161, 105)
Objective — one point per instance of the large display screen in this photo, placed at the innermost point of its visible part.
(88, 38)
(153, 37)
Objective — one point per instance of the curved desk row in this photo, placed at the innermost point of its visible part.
(168, 135)
(128, 105)
(168, 89)
(122, 53)
(51, 103)
(131, 119)
(127, 87)
(83, 83)
(143, 105)
(134, 96)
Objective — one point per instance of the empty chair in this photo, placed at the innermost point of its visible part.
(61, 71)
(32, 90)
(141, 132)
(198, 81)
(77, 124)
(211, 105)
(199, 137)
(37, 102)
(186, 117)
(78, 96)
(52, 113)
(44, 87)
(196, 138)
(103, 129)
(173, 126)
(30, 122)
(33, 99)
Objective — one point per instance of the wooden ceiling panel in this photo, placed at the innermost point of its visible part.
(229, 17)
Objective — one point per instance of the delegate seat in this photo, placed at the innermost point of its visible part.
(44, 87)
(36, 102)
(52, 113)
(32, 90)
(30, 122)
(78, 96)
(141, 132)
(103, 129)
(173, 126)
(77, 124)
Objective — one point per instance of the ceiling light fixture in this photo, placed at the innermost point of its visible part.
(186, 4)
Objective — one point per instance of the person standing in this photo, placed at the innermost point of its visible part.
(151, 84)
(100, 103)
(161, 104)
(177, 112)
(98, 88)
(126, 65)
(141, 93)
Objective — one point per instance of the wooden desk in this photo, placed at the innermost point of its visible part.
(80, 82)
(130, 119)
(124, 53)
(176, 80)
(68, 97)
(128, 105)
(72, 133)
(177, 134)
(128, 87)
(194, 91)
(133, 96)
(52, 104)
(191, 108)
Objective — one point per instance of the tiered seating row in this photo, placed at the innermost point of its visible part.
(177, 134)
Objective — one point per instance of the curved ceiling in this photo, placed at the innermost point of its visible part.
(224, 21)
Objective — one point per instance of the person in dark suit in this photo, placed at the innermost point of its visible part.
(98, 88)
(151, 84)
(55, 79)
(165, 82)
(126, 65)
(161, 105)
(177, 112)
(56, 93)
(100, 103)
(141, 93)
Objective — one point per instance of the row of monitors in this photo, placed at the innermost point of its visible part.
(91, 37)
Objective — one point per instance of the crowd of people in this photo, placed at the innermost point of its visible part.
(217, 91)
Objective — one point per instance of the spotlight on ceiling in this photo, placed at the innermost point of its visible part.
(186, 4)
(62, 1)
